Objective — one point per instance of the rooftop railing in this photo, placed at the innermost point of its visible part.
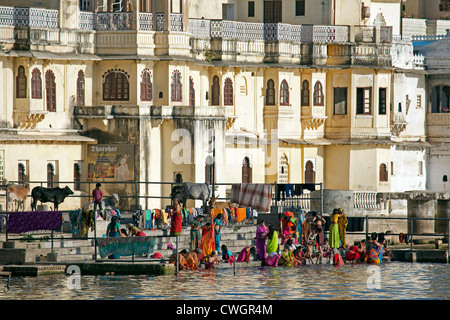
(198, 28)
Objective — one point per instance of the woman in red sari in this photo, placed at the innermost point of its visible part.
(177, 219)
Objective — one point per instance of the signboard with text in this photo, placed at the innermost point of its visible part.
(110, 162)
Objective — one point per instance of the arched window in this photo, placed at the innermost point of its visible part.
(209, 170)
(80, 88)
(146, 86)
(191, 92)
(50, 175)
(50, 91)
(445, 178)
(270, 93)
(21, 172)
(383, 173)
(36, 84)
(116, 86)
(215, 91)
(284, 93)
(178, 178)
(228, 92)
(21, 83)
(310, 174)
(246, 171)
(318, 94)
(76, 176)
(283, 170)
(305, 93)
(176, 86)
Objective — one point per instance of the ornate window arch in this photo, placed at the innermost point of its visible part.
(146, 85)
(36, 84)
(80, 88)
(51, 172)
(305, 93)
(228, 92)
(116, 85)
(215, 91)
(384, 176)
(246, 171)
(50, 91)
(21, 83)
(318, 94)
(270, 93)
(176, 86)
(284, 93)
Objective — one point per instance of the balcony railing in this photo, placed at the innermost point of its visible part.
(198, 28)
(28, 17)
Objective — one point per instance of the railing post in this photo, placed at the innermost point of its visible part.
(367, 227)
(178, 261)
(411, 235)
(52, 241)
(95, 237)
(7, 214)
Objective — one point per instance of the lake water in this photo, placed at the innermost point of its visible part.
(394, 280)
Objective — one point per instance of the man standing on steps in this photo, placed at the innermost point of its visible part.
(97, 194)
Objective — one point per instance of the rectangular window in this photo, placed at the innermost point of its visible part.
(382, 101)
(419, 101)
(420, 167)
(364, 100)
(2, 165)
(299, 8)
(251, 9)
(340, 101)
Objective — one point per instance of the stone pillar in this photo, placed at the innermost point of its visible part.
(442, 211)
(421, 208)
(167, 14)
(185, 15)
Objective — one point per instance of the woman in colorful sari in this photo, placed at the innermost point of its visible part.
(334, 228)
(286, 258)
(196, 238)
(177, 220)
(207, 239)
(261, 236)
(217, 228)
(272, 247)
(227, 256)
(352, 254)
(342, 223)
(374, 250)
(244, 255)
(300, 219)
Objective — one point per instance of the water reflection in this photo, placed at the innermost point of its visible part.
(398, 281)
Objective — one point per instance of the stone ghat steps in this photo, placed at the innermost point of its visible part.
(16, 251)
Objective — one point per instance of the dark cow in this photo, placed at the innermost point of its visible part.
(189, 190)
(54, 195)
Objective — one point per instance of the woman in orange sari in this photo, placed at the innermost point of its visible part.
(208, 243)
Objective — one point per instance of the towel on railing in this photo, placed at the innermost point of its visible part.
(257, 196)
(20, 222)
(125, 246)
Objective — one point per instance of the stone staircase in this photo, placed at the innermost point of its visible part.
(66, 249)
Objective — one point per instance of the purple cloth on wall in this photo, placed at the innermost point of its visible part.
(19, 222)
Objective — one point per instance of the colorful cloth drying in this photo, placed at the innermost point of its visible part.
(125, 246)
(257, 196)
(20, 222)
